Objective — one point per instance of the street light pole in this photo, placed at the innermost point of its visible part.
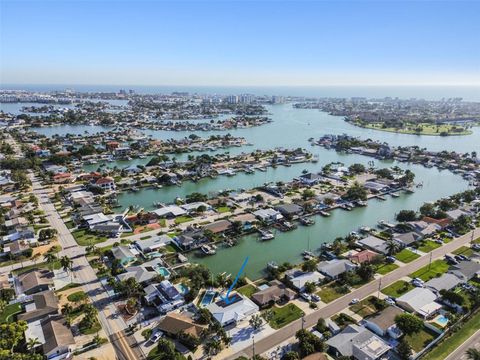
(253, 346)
(379, 286)
(430, 263)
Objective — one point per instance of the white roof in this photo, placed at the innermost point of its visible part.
(418, 299)
(98, 218)
(170, 209)
(266, 213)
(154, 242)
(236, 311)
(194, 206)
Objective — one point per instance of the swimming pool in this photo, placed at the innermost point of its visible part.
(208, 297)
(441, 320)
(164, 272)
(182, 288)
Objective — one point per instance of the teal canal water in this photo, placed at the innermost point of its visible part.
(291, 128)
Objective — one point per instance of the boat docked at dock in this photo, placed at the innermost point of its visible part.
(208, 249)
(308, 255)
(272, 265)
(266, 235)
(306, 221)
(324, 213)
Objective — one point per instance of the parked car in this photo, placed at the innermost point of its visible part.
(156, 336)
(390, 301)
(391, 259)
(315, 297)
(354, 301)
(306, 296)
(438, 241)
(476, 246)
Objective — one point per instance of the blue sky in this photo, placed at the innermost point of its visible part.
(239, 43)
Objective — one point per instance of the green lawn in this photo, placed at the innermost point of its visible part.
(367, 306)
(428, 245)
(223, 209)
(247, 290)
(406, 256)
(69, 286)
(43, 265)
(397, 289)
(419, 340)
(96, 327)
(84, 238)
(448, 345)
(329, 293)
(285, 315)
(435, 269)
(426, 129)
(77, 296)
(8, 314)
(183, 219)
(386, 268)
(343, 320)
(464, 250)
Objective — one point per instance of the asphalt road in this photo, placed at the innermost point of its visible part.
(336, 306)
(472, 342)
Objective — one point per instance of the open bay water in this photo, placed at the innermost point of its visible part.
(292, 128)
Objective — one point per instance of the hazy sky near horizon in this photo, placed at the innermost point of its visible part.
(239, 42)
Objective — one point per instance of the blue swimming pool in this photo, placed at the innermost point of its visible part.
(441, 320)
(208, 297)
(164, 272)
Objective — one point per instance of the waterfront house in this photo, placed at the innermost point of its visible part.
(170, 211)
(383, 323)
(332, 269)
(297, 278)
(268, 215)
(247, 220)
(359, 343)
(364, 256)
(43, 304)
(456, 213)
(420, 301)
(218, 226)
(190, 239)
(445, 282)
(422, 228)
(106, 183)
(375, 186)
(310, 179)
(34, 281)
(289, 210)
(110, 229)
(193, 207)
(153, 244)
(239, 308)
(275, 292)
(374, 243)
(142, 274)
(406, 239)
(123, 254)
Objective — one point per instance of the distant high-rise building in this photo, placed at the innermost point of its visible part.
(131, 92)
(278, 99)
(246, 98)
(232, 99)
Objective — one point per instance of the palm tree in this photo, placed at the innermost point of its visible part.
(392, 247)
(32, 344)
(67, 309)
(50, 258)
(473, 354)
(67, 265)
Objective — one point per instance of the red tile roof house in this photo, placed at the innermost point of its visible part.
(442, 222)
(106, 183)
(365, 256)
(62, 178)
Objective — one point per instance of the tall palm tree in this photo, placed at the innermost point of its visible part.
(32, 344)
(67, 265)
(473, 354)
(50, 258)
(67, 309)
(392, 247)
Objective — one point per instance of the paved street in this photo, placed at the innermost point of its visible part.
(459, 353)
(336, 306)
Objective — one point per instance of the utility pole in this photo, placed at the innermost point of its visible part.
(303, 321)
(253, 346)
(379, 286)
(430, 263)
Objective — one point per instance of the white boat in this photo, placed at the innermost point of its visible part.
(394, 195)
(266, 235)
(208, 249)
(272, 265)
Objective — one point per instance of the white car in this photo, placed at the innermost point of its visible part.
(156, 336)
(354, 301)
(305, 296)
(390, 301)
